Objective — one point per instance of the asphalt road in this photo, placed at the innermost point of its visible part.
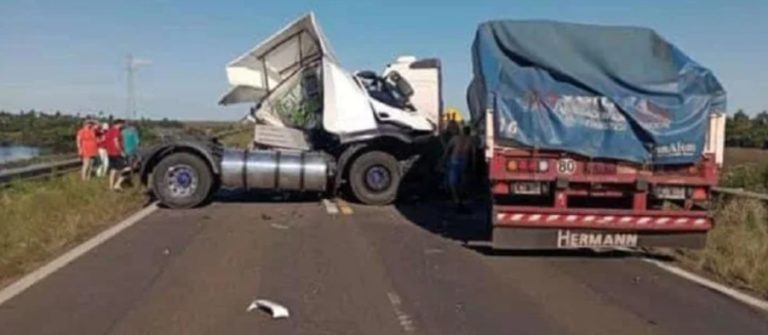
(389, 270)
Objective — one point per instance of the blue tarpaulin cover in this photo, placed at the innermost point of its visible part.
(603, 92)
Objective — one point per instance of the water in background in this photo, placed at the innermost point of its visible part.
(17, 152)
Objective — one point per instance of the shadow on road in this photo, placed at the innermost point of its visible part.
(261, 196)
(438, 216)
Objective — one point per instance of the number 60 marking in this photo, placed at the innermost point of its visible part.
(566, 166)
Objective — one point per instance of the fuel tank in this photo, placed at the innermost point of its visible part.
(276, 169)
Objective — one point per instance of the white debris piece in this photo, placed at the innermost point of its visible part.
(279, 226)
(276, 310)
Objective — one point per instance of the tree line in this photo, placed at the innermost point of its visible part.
(54, 132)
(744, 131)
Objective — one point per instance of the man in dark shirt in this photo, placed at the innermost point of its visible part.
(114, 146)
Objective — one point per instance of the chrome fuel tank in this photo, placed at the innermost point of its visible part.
(276, 169)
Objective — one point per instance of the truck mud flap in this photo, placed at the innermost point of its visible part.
(553, 238)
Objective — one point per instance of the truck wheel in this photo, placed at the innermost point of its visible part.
(182, 180)
(375, 178)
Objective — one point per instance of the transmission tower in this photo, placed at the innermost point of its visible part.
(132, 65)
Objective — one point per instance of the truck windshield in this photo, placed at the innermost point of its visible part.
(382, 90)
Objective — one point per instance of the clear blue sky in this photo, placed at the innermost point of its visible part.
(70, 55)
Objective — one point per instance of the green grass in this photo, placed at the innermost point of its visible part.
(39, 220)
(737, 248)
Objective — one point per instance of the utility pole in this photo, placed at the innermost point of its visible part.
(130, 107)
(132, 65)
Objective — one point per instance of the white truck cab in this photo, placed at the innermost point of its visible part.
(317, 126)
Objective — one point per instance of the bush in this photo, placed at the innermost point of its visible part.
(749, 176)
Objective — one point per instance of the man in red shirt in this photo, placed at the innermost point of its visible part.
(113, 143)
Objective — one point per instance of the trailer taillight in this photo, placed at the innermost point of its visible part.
(527, 165)
(699, 193)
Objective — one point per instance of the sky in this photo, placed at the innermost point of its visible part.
(70, 55)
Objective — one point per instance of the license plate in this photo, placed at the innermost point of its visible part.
(580, 239)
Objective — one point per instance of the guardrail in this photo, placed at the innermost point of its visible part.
(57, 168)
(40, 170)
(738, 192)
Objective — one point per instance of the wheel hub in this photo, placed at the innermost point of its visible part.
(182, 180)
(377, 178)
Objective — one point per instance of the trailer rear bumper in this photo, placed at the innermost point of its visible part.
(517, 227)
(554, 238)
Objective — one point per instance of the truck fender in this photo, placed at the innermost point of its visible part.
(151, 157)
(341, 163)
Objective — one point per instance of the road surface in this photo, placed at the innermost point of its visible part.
(388, 270)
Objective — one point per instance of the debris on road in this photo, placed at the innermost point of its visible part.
(166, 252)
(266, 217)
(276, 310)
(279, 226)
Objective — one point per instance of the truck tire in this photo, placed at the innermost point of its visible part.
(374, 178)
(182, 180)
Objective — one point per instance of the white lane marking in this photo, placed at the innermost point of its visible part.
(738, 296)
(62, 261)
(330, 207)
(404, 319)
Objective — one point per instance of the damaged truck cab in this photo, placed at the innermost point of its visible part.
(317, 127)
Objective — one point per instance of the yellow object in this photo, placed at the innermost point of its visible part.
(452, 113)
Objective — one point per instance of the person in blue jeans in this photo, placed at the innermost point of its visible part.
(460, 152)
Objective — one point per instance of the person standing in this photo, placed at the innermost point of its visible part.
(460, 151)
(87, 148)
(130, 137)
(113, 144)
(101, 131)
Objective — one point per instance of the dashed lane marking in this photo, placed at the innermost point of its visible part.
(404, 319)
(330, 207)
(344, 207)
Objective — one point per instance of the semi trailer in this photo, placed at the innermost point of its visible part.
(317, 127)
(595, 136)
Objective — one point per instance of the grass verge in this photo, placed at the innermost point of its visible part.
(41, 219)
(737, 247)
